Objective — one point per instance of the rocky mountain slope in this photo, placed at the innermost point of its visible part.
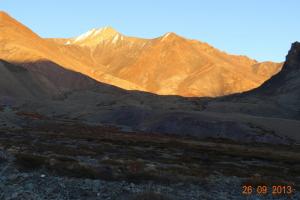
(67, 134)
(277, 97)
(169, 65)
(65, 93)
(284, 87)
(39, 80)
(20, 45)
(286, 82)
(191, 68)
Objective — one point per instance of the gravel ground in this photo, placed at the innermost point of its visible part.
(40, 185)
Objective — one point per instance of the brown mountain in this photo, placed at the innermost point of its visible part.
(43, 72)
(18, 44)
(165, 65)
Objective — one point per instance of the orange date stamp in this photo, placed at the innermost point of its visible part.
(263, 189)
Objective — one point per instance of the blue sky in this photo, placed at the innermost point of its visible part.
(260, 29)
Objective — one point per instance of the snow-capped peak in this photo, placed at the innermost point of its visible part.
(95, 36)
(85, 35)
(168, 35)
(115, 39)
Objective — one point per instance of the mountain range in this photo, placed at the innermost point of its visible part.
(108, 116)
(168, 85)
(166, 65)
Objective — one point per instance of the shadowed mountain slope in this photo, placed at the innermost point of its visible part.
(18, 44)
(40, 80)
(284, 87)
(278, 97)
(168, 65)
(56, 81)
(287, 81)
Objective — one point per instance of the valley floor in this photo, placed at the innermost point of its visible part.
(66, 160)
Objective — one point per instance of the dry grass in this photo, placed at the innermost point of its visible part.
(123, 156)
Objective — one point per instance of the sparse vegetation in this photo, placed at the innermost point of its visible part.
(136, 157)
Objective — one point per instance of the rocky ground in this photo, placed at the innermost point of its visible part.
(40, 185)
(66, 160)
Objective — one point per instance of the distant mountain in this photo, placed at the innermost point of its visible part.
(56, 78)
(168, 65)
(96, 36)
(190, 67)
(20, 45)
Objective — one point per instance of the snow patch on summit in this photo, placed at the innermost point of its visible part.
(166, 36)
(115, 39)
(85, 35)
(95, 36)
(169, 35)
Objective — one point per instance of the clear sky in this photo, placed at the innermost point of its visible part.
(260, 29)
